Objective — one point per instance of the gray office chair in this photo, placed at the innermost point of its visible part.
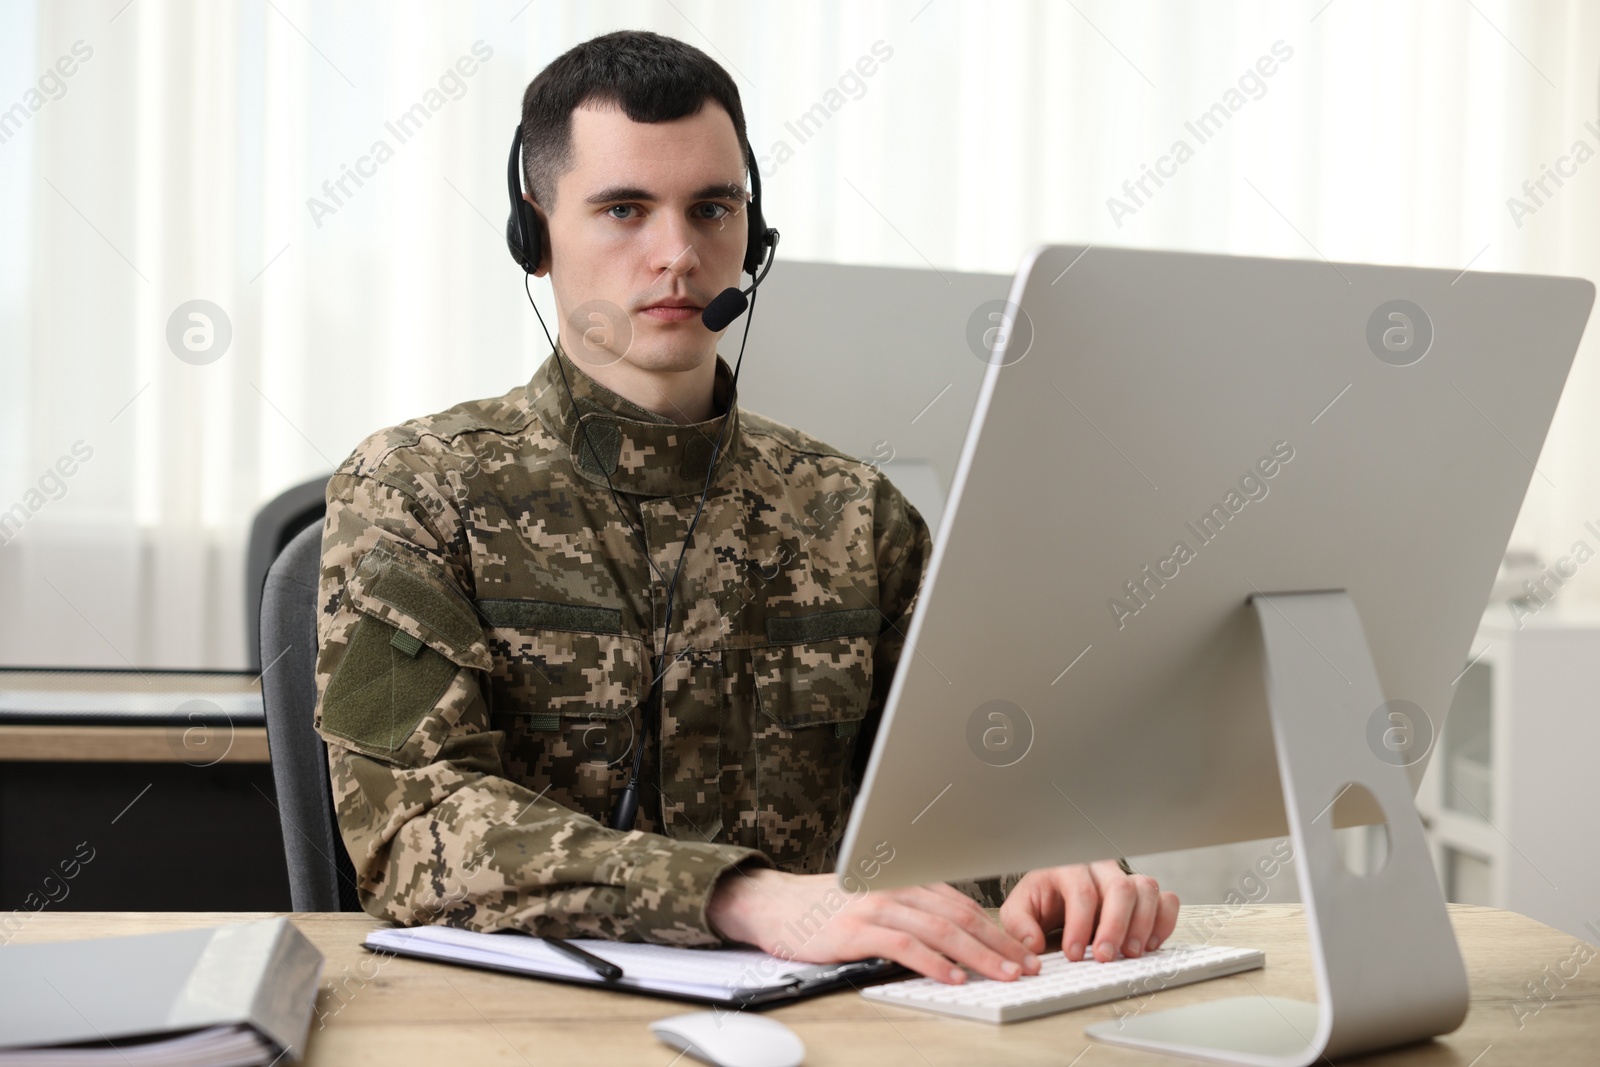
(270, 533)
(321, 877)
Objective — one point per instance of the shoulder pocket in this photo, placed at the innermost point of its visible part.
(420, 600)
(415, 630)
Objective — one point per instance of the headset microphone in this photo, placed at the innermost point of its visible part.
(727, 306)
(731, 303)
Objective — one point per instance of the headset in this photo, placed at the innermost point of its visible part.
(526, 241)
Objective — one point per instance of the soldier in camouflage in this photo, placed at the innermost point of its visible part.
(490, 628)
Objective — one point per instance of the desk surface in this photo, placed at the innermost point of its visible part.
(386, 1011)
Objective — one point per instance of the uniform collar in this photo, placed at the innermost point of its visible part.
(640, 451)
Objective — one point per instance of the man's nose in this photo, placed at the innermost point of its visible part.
(674, 247)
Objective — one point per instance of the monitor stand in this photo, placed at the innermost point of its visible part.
(1387, 966)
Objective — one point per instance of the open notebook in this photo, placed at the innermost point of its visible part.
(728, 976)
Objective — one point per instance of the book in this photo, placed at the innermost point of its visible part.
(236, 995)
(731, 977)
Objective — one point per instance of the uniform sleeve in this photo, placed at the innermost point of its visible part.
(435, 831)
(904, 547)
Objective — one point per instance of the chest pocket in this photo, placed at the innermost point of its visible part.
(813, 682)
(566, 688)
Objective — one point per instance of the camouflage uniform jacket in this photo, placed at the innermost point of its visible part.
(488, 630)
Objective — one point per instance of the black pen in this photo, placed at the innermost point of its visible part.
(604, 968)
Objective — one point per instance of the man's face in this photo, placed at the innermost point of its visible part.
(649, 213)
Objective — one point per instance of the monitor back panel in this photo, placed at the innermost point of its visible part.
(1163, 435)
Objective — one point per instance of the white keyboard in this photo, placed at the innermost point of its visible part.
(1062, 985)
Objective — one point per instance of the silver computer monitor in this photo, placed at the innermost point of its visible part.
(1167, 447)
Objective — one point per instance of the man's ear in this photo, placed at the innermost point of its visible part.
(544, 228)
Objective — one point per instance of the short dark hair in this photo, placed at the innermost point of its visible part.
(651, 77)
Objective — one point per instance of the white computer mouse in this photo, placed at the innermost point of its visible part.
(732, 1039)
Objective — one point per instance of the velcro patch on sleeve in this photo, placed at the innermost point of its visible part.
(380, 692)
(422, 600)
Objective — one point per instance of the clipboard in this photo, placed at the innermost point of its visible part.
(731, 978)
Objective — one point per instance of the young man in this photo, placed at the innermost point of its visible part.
(492, 627)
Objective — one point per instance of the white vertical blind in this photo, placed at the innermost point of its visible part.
(177, 162)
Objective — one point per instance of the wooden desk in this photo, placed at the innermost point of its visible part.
(388, 1010)
(198, 746)
(152, 716)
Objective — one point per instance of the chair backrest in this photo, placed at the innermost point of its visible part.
(270, 533)
(321, 877)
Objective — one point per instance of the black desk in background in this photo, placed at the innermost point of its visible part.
(138, 791)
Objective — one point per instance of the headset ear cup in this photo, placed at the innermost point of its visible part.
(760, 245)
(514, 241)
(753, 252)
(523, 236)
(533, 236)
(755, 249)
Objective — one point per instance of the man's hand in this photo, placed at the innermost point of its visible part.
(1133, 911)
(930, 929)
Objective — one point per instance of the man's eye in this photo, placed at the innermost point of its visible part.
(719, 212)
